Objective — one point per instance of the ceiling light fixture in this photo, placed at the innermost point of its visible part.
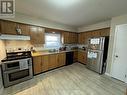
(63, 3)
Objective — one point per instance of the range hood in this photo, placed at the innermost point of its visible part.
(14, 37)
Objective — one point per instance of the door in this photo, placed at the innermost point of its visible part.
(119, 67)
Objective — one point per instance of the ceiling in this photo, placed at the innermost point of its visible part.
(83, 12)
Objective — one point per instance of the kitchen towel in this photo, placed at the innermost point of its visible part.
(23, 64)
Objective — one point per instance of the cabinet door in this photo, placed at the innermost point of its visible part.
(45, 63)
(82, 57)
(75, 56)
(8, 27)
(65, 37)
(25, 29)
(37, 35)
(61, 59)
(0, 28)
(105, 32)
(53, 61)
(37, 61)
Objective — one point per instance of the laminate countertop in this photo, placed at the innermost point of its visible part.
(41, 53)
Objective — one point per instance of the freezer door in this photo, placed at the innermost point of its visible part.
(96, 43)
(95, 60)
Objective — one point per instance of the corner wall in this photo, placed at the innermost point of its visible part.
(115, 21)
(96, 26)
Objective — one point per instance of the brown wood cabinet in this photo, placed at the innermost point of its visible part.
(69, 37)
(37, 35)
(53, 61)
(45, 63)
(37, 63)
(84, 36)
(8, 27)
(61, 59)
(105, 32)
(82, 57)
(25, 29)
(75, 59)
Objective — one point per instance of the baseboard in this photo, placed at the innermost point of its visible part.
(108, 74)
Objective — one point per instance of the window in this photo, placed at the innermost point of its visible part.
(52, 40)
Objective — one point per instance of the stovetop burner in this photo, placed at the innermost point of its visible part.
(17, 55)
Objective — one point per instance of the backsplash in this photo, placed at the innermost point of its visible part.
(2, 50)
(17, 45)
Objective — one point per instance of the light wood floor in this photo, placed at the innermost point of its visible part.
(69, 80)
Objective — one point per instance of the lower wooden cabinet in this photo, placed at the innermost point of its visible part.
(75, 58)
(37, 64)
(53, 61)
(61, 59)
(82, 57)
(47, 62)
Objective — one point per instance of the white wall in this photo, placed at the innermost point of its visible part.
(41, 22)
(115, 21)
(96, 26)
(2, 55)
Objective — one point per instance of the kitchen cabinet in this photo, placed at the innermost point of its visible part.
(75, 59)
(37, 35)
(12, 28)
(61, 59)
(69, 37)
(25, 29)
(37, 64)
(8, 27)
(82, 57)
(105, 32)
(47, 62)
(53, 61)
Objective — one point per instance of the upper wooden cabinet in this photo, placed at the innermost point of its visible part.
(84, 36)
(13, 28)
(105, 32)
(8, 27)
(69, 37)
(37, 35)
(24, 28)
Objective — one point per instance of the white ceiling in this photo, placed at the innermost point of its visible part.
(82, 13)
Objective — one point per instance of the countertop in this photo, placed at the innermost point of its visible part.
(41, 53)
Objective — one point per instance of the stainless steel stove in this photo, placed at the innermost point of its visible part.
(17, 67)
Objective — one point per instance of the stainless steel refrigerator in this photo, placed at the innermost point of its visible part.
(97, 54)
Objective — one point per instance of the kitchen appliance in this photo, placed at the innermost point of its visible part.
(69, 58)
(14, 37)
(16, 68)
(97, 54)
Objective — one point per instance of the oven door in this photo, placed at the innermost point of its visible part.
(16, 76)
(14, 64)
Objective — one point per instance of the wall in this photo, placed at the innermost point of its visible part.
(115, 21)
(2, 50)
(14, 45)
(96, 26)
(41, 22)
(2, 55)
